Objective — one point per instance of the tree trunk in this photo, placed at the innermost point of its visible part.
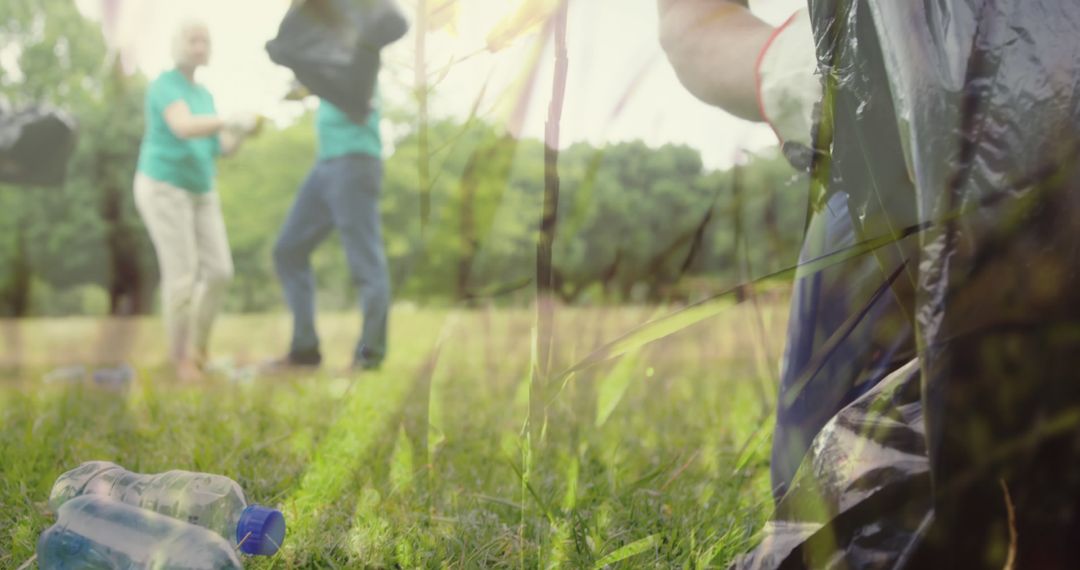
(17, 290)
(126, 277)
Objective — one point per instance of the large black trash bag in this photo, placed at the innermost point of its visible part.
(957, 122)
(333, 48)
(999, 293)
(35, 145)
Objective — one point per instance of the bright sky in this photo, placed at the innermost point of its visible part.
(611, 44)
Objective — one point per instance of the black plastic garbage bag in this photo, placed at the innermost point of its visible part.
(333, 48)
(956, 123)
(35, 145)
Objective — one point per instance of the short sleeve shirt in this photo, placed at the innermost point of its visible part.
(339, 136)
(163, 156)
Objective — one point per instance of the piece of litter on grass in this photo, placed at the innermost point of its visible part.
(66, 374)
(114, 378)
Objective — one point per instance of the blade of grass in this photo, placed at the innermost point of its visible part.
(630, 550)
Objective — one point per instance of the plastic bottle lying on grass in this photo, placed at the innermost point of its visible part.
(66, 374)
(213, 502)
(109, 378)
(233, 372)
(94, 532)
(113, 378)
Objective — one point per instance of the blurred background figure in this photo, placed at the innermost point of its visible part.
(341, 191)
(175, 195)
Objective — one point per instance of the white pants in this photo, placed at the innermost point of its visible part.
(192, 249)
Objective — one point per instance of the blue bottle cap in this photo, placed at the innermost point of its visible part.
(261, 531)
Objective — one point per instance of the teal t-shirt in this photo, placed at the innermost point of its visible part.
(163, 156)
(339, 136)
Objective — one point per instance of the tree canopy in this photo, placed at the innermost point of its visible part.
(635, 223)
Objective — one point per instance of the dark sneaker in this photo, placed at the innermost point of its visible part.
(295, 361)
(366, 365)
(366, 360)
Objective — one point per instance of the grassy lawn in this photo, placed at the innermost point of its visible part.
(453, 455)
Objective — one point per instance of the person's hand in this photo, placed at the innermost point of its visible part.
(245, 124)
(297, 92)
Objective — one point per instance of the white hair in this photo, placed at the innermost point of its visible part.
(180, 36)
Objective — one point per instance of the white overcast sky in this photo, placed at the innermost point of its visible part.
(611, 45)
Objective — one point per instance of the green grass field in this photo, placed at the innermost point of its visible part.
(452, 456)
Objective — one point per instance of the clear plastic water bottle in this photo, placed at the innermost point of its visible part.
(94, 532)
(114, 377)
(66, 375)
(213, 502)
(109, 378)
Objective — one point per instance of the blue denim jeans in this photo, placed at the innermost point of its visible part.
(847, 331)
(340, 193)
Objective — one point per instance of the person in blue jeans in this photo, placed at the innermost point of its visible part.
(847, 330)
(341, 192)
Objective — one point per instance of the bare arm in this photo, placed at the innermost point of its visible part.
(713, 45)
(187, 126)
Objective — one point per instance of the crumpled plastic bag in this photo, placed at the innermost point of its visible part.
(956, 124)
(333, 47)
(35, 145)
(863, 490)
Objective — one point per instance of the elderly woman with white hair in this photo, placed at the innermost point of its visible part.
(176, 198)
